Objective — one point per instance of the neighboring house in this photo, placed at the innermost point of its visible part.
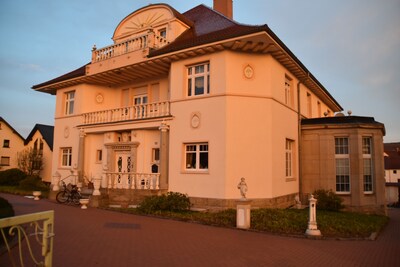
(392, 172)
(191, 103)
(40, 139)
(11, 142)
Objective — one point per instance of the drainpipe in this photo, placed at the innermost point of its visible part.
(299, 138)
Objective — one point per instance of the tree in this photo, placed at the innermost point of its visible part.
(30, 161)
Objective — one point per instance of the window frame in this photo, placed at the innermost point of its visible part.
(69, 103)
(67, 153)
(288, 91)
(192, 75)
(289, 158)
(342, 166)
(368, 174)
(6, 143)
(198, 152)
(3, 158)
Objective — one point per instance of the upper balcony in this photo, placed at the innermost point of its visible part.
(124, 53)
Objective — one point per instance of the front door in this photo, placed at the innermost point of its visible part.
(123, 168)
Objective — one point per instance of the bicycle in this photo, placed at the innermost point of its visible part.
(69, 194)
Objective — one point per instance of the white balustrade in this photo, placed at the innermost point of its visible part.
(145, 111)
(123, 180)
(140, 42)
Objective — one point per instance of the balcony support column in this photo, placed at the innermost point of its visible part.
(81, 154)
(164, 154)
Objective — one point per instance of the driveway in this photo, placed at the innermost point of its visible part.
(96, 237)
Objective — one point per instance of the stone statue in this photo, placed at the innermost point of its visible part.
(242, 186)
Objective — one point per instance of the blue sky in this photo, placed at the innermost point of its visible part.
(351, 46)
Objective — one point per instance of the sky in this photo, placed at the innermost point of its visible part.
(351, 46)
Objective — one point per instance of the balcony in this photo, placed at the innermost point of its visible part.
(138, 43)
(137, 112)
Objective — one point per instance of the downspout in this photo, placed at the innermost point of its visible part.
(299, 140)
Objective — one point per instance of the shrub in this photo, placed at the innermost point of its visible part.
(6, 210)
(172, 201)
(11, 177)
(32, 183)
(328, 200)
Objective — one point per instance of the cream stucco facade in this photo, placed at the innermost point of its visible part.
(181, 104)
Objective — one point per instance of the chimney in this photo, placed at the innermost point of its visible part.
(224, 7)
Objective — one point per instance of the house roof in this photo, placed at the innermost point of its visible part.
(9, 126)
(392, 160)
(206, 26)
(344, 120)
(47, 131)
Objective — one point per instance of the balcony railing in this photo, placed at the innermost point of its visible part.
(137, 43)
(145, 111)
(28, 230)
(123, 180)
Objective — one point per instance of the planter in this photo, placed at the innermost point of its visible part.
(84, 202)
(36, 195)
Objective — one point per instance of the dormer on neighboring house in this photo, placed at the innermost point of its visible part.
(11, 142)
(40, 139)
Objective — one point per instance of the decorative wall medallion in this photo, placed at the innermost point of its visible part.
(248, 72)
(99, 98)
(195, 121)
(66, 132)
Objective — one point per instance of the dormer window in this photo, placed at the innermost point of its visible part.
(163, 33)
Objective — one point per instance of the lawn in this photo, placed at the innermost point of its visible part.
(291, 222)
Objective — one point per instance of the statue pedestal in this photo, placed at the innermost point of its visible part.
(243, 213)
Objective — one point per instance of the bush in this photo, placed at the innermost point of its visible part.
(33, 183)
(328, 200)
(11, 177)
(172, 201)
(6, 210)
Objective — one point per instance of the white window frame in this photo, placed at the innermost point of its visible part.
(288, 91)
(342, 165)
(289, 146)
(368, 177)
(66, 157)
(196, 150)
(69, 103)
(194, 72)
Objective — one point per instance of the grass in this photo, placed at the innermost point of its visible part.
(285, 221)
(15, 190)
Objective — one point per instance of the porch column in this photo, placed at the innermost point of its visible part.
(164, 152)
(81, 154)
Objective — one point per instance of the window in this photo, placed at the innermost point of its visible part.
(196, 156)
(6, 143)
(41, 147)
(288, 88)
(163, 33)
(309, 105)
(367, 164)
(155, 158)
(69, 102)
(5, 161)
(66, 157)
(289, 158)
(319, 109)
(199, 79)
(342, 165)
(99, 155)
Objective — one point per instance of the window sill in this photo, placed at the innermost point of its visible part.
(195, 171)
(368, 193)
(342, 193)
(290, 179)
